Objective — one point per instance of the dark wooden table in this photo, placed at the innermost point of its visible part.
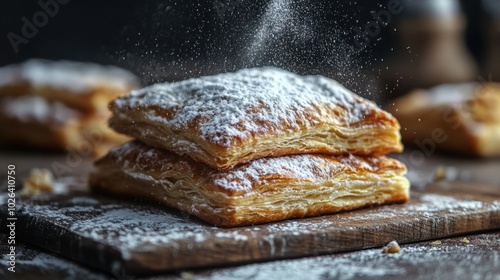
(475, 256)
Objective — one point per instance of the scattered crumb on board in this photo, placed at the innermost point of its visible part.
(391, 248)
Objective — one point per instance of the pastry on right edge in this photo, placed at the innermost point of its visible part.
(455, 118)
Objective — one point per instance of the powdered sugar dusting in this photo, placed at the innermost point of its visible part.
(73, 76)
(31, 260)
(35, 108)
(243, 178)
(428, 205)
(237, 104)
(454, 94)
(9, 74)
(452, 260)
(304, 167)
(136, 231)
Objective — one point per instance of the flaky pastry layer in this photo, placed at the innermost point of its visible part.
(462, 118)
(228, 119)
(264, 190)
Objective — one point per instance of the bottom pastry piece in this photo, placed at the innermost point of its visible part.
(264, 190)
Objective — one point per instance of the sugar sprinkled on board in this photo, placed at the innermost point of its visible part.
(237, 104)
(457, 260)
(29, 259)
(133, 228)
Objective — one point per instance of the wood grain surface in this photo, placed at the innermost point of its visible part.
(137, 238)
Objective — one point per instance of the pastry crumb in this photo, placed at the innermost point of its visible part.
(436, 243)
(446, 173)
(391, 248)
(440, 173)
(465, 240)
(40, 181)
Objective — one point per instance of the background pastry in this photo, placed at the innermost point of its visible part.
(231, 118)
(263, 190)
(86, 87)
(458, 118)
(58, 104)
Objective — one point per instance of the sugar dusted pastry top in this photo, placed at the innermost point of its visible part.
(69, 75)
(249, 101)
(242, 110)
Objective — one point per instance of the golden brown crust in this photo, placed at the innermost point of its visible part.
(463, 119)
(261, 191)
(232, 118)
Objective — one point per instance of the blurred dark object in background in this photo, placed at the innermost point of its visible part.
(172, 40)
(431, 47)
(491, 33)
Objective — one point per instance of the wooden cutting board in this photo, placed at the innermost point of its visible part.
(130, 237)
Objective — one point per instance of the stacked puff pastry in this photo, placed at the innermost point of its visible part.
(60, 105)
(254, 146)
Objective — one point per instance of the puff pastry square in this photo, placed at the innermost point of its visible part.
(264, 190)
(232, 118)
(456, 118)
(60, 105)
(87, 87)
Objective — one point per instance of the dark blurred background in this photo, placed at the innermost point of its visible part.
(171, 40)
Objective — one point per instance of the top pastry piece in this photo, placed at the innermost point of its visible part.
(232, 118)
(84, 86)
